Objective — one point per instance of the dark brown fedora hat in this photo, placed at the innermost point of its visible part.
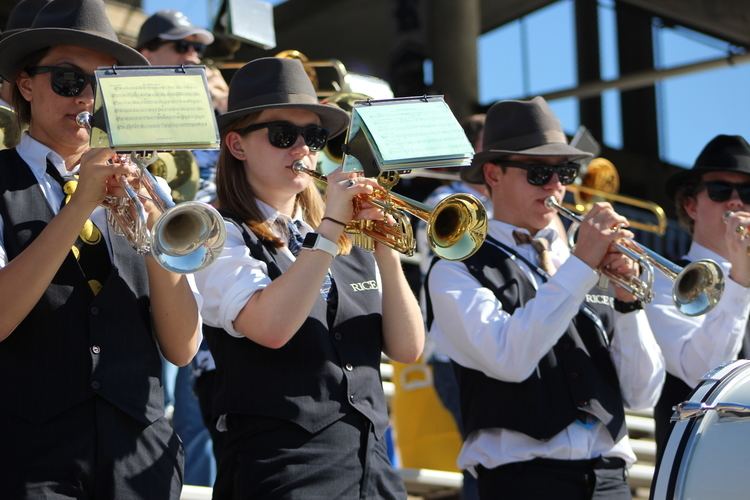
(527, 128)
(22, 16)
(83, 23)
(271, 82)
(724, 153)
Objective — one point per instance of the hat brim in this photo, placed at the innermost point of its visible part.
(205, 36)
(18, 46)
(332, 118)
(475, 174)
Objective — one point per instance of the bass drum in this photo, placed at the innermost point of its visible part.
(707, 451)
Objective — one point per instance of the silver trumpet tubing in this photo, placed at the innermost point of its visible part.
(184, 239)
(697, 287)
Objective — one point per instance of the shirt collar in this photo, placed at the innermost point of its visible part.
(36, 154)
(503, 232)
(271, 216)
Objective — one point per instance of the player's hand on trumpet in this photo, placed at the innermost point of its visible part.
(97, 176)
(737, 239)
(617, 263)
(600, 227)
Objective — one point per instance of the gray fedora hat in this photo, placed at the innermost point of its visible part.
(272, 82)
(82, 23)
(723, 153)
(22, 16)
(527, 128)
(170, 25)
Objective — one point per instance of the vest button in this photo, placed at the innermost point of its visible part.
(351, 397)
(349, 367)
(337, 336)
(94, 310)
(96, 385)
(96, 349)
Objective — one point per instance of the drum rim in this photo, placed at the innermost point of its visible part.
(676, 470)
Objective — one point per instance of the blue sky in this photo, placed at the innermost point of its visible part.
(692, 108)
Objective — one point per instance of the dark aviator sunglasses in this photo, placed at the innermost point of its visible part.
(539, 174)
(283, 135)
(182, 46)
(720, 191)
(65, 81)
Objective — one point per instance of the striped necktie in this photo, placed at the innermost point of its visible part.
(89, 249)
(541, 246)
(295, 246)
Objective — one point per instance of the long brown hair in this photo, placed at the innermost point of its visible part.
(236, 195)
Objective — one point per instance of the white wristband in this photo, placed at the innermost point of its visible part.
(314, 241)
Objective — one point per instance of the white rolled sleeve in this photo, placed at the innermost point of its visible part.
(228, 283)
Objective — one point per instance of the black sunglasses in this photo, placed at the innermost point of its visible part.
(719, 191)
(283, 134)
(182, 46)
(65, 80)
(539, 174)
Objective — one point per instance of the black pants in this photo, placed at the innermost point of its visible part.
(278, 460)
(205, 389)
(91, 451)
(542, 479)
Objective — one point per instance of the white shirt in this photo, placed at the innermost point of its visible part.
(228, 283)
(694, 345)
(36, 154)
(471, 327)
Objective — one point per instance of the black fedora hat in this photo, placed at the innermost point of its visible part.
(724, 153)
(527, 128)
(22, 16)
(272, 82)
(82, 23)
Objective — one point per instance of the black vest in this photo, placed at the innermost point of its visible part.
(566, 378)
(322, 373)
(676, 391)
(72, 345)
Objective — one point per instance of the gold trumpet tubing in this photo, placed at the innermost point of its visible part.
(456, 227)
(398, 235)
(580, 206)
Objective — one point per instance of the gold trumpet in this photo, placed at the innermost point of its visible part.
(456, 226)
(697, 287)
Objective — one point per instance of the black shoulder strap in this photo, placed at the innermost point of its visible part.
(257, 249)
(429, 315)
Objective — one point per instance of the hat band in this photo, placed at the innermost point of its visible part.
(528, 141)
(278, 98)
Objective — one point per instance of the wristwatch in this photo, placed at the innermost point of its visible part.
(314, 241)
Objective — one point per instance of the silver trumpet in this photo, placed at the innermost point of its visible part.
(697, 287)
(184, 239)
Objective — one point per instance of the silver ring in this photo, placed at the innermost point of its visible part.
(741, 231)
(351, 183)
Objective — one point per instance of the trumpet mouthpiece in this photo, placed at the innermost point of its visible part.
(83, 119)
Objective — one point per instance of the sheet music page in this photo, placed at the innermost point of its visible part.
(165, 110)
(410, 130)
